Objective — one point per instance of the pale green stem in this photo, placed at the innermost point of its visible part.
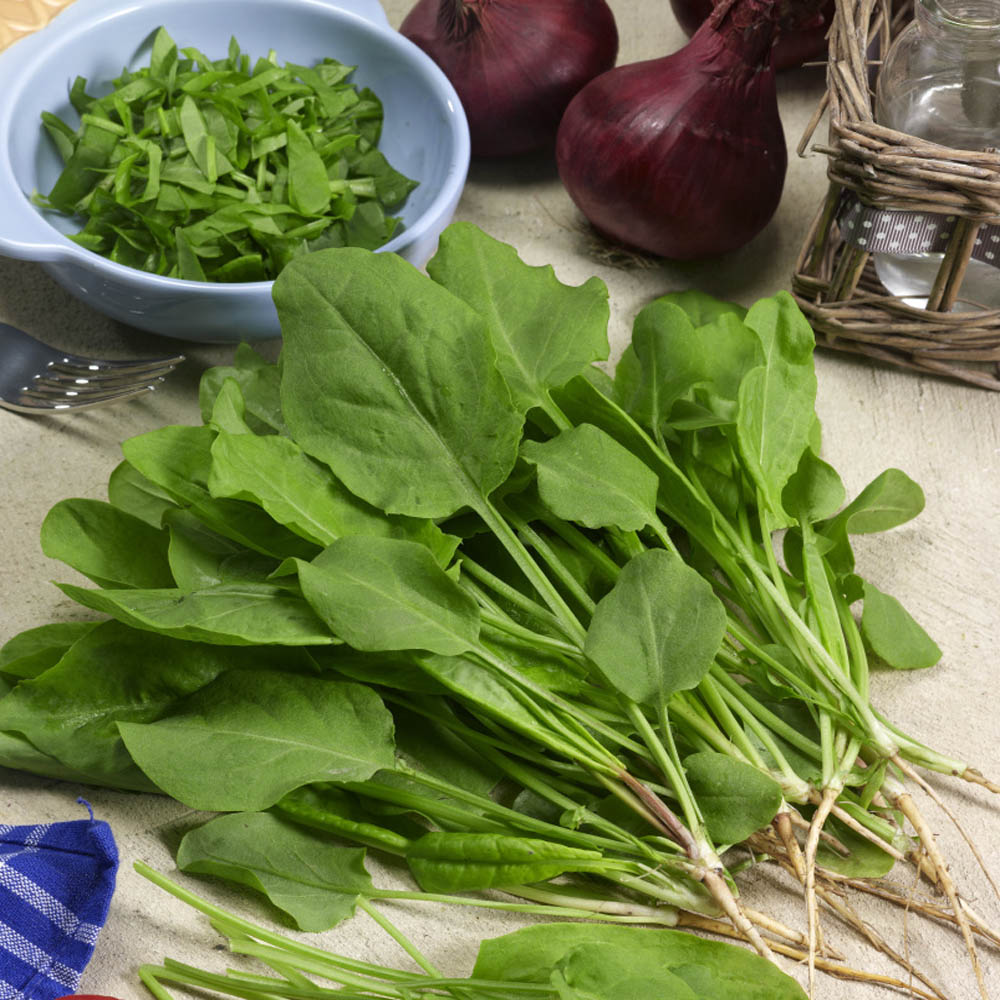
(554, 563)
(730, 724)
(399, 937)
(496, 522)
(510, 594)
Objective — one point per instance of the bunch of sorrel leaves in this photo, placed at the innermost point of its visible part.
(437, 585)
(224, 169)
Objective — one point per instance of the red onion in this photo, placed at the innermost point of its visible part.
(803, 25)
(682, 156)
(515, 63)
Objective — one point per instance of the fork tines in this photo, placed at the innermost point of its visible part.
(75, 383)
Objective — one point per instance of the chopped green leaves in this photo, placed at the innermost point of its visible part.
(222, 170)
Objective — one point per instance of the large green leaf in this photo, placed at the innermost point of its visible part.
(201, 558)
(777, 399)
(384, 594)
(702, 308)
(606, 972)
(710, 969)
(259, 382)
(233, 614)
(669, 357)
(18, 753)
(889, 500)
(427, 746)
(544, 332)
(107, 545)
(251, 736)
(585, 403)
(304, 495)
(657, 630)
(315, 882)
(584, 475)
(179, 460)
(112, 673)
(392, 381)
(814, 491)
(132, 492)
(33, 651)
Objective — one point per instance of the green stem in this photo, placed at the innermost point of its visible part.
(556, 566)
(398, 936)
(543, 786)
(626, 543)
(547, 903)
(617, 910)
(187, 975)
(325, 965)
(575, 712)
(793, 786)
(774, 722)
(730, 725)
(509, 817)
(661, 534)
(533, 640)
(821, 662)
(496, 522)
(857, 654)
(692, 835)
(509, 593)
(602, 563)
(254, 931)
(698, 727)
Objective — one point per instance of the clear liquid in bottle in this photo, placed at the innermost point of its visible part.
(941, 82)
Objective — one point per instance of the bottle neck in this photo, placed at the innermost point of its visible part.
(972, 26)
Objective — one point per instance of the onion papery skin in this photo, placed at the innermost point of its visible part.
(802, 28)
(515, 64)
(684, 156)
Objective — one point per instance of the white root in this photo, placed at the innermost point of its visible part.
(812, 845)
(904, 802)
(722, 894)
(942, 805)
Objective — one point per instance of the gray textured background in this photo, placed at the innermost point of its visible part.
(943, 566)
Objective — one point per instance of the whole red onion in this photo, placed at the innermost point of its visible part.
(515, 63)
(803, 25)
(682, 156)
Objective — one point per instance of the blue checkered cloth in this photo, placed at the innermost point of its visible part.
(56, 882)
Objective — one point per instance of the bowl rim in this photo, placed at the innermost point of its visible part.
(84, 16)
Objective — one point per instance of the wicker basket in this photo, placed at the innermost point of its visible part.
(834, 280)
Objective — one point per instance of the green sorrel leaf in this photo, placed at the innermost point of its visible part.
(658, 629)
(385, 594)
(262, 734)
(361, 392)
(544, 332)
(315, 882)
(584, 475)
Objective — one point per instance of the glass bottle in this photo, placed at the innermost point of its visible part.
(941, 82)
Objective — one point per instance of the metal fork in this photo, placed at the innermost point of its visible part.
(35, 378)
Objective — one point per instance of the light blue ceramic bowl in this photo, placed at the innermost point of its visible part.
(425, 135)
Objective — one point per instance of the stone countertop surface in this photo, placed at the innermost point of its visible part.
(943, 565)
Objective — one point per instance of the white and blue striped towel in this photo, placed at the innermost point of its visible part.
(56, 882)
